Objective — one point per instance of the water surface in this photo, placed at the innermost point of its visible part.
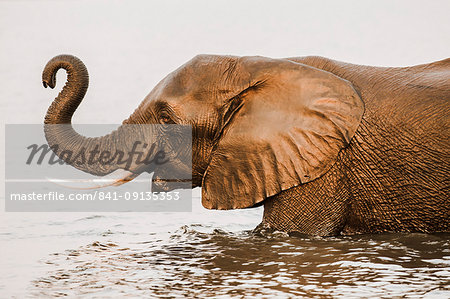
(211, 253)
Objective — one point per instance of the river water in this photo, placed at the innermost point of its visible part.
(201, 253)
(204, 254)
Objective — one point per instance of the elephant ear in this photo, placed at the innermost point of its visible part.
(290, 123)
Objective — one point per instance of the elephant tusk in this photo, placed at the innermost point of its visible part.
(117, 178)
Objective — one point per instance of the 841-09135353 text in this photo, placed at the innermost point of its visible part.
(96, 195)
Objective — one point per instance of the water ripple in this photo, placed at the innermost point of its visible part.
(200, 261)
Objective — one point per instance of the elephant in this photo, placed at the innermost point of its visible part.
(327, 147)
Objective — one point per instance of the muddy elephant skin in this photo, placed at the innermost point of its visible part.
(327, 147)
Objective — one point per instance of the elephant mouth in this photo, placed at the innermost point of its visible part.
(165, 185)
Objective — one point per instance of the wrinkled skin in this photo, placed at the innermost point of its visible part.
(327, 147)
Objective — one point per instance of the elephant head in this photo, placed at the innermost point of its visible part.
(259, 125)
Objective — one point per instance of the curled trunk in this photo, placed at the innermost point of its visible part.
(59, 133)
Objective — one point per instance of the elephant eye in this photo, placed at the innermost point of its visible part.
(165, 119)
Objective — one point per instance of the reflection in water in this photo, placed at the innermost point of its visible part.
(199, 261)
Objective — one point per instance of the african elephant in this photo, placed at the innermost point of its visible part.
(327, 147)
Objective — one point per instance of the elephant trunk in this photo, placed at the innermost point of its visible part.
(60, 135)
